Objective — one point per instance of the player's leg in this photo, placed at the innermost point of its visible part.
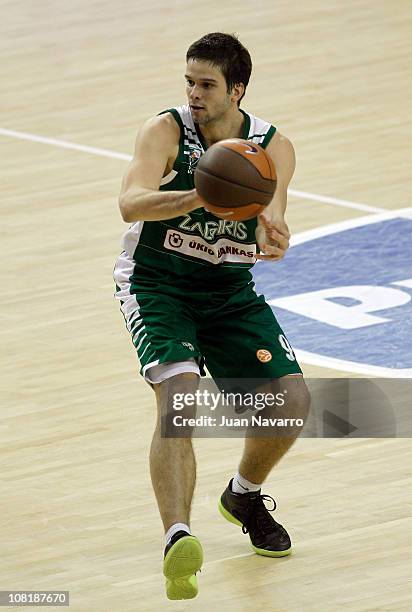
(253, 345)
(261, 454)
(172, 460)
(168, 355)
(166, 348)
(242, 502)
(173, 473)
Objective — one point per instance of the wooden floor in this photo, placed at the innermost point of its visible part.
(78, 512)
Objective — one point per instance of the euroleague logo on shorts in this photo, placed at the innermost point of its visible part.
(264, 355)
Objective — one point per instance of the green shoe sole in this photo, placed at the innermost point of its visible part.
(180, 565)
(260, 551)
(229, 517)
(182, 588)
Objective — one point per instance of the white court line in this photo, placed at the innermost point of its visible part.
(64, 144)
(340, 226)
(336, 201)
(123, 156)
(222, 559)
(332, 363)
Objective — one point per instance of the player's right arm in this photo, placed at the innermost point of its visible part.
(156, 147)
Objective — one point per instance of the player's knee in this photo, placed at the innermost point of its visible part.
(176, 403)
(179, 385)
(298, 399)
(294, 397)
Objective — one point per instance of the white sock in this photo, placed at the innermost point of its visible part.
(241, 485)
(174, 529)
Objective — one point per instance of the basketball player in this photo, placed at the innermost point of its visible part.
(185, 305)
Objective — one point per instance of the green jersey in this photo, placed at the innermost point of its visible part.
(198, 247)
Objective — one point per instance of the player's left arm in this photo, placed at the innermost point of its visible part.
(272, 232)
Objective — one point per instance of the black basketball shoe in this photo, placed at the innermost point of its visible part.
(183, 557)
(248, 510)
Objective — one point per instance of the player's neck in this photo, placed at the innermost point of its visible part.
(230, 126)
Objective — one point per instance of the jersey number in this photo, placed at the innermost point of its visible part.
(284, 343)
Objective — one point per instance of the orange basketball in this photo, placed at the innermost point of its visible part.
(236, 179)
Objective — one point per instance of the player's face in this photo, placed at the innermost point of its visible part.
(206, 92)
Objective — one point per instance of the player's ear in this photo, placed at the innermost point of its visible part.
(238, 90)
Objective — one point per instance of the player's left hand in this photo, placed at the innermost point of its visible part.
(272, 237)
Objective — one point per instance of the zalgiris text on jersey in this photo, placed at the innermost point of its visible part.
(210, 229)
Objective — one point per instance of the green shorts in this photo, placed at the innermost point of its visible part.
(235, 334)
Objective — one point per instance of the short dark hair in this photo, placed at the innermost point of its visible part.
(227, 53)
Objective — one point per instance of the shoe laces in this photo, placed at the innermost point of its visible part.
(257, 515)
